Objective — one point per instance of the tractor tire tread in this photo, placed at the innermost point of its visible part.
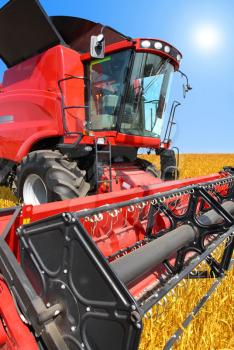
(63, 178)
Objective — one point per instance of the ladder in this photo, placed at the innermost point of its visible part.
(100, 165)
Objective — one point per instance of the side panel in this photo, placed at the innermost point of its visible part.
(30, 106)
(33, 117)
(40, 72)
(31, 102)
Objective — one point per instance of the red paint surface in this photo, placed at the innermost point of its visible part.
(14, 334)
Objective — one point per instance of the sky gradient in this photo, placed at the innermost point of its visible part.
(205, 120)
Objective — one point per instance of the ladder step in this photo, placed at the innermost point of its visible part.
(98, 152)
(102, 166)
(102, 181)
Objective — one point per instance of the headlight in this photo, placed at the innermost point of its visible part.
(178, 58)
(145, 44)
(167, 49)
(158, 45)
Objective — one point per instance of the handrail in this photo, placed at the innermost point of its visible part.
(171, 121)
(64, 107)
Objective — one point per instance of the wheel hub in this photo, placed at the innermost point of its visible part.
(34, 190)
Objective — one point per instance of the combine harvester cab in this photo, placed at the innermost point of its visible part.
(91, 268)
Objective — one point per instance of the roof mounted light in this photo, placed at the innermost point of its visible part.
(145, 44)
(178, 57)
(158, 45)
(167, 49)
(161, 47)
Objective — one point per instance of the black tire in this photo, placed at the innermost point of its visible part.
(148, 167)
(62, 178)
(6, 168)
(169, 169)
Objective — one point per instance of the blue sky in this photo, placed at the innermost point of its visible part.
(205, 121)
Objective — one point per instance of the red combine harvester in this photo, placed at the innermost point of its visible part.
(76, 103)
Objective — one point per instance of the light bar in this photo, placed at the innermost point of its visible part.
(161, 46)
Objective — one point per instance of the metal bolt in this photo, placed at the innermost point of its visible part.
(63, 286)
(133, 307)
(73, 328)
(88, 309)
(65, 271)
(82, 344)
(67, 217)
(138, 325)
(57, 312)
(48, 305)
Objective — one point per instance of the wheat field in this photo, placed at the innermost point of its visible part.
(213, 327)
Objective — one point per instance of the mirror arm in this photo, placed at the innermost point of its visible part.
(187, 86)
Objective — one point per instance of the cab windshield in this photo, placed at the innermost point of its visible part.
(133, 97)
(147, 96)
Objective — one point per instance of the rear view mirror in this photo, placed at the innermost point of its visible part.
(97, 46)
(186, 86)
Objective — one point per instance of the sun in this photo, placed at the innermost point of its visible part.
(208, 37)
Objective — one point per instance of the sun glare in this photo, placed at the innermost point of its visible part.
(208, 38)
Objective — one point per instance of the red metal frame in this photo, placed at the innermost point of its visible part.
(14, 334)
(35, 213)
(46, 210)
(135, 43)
